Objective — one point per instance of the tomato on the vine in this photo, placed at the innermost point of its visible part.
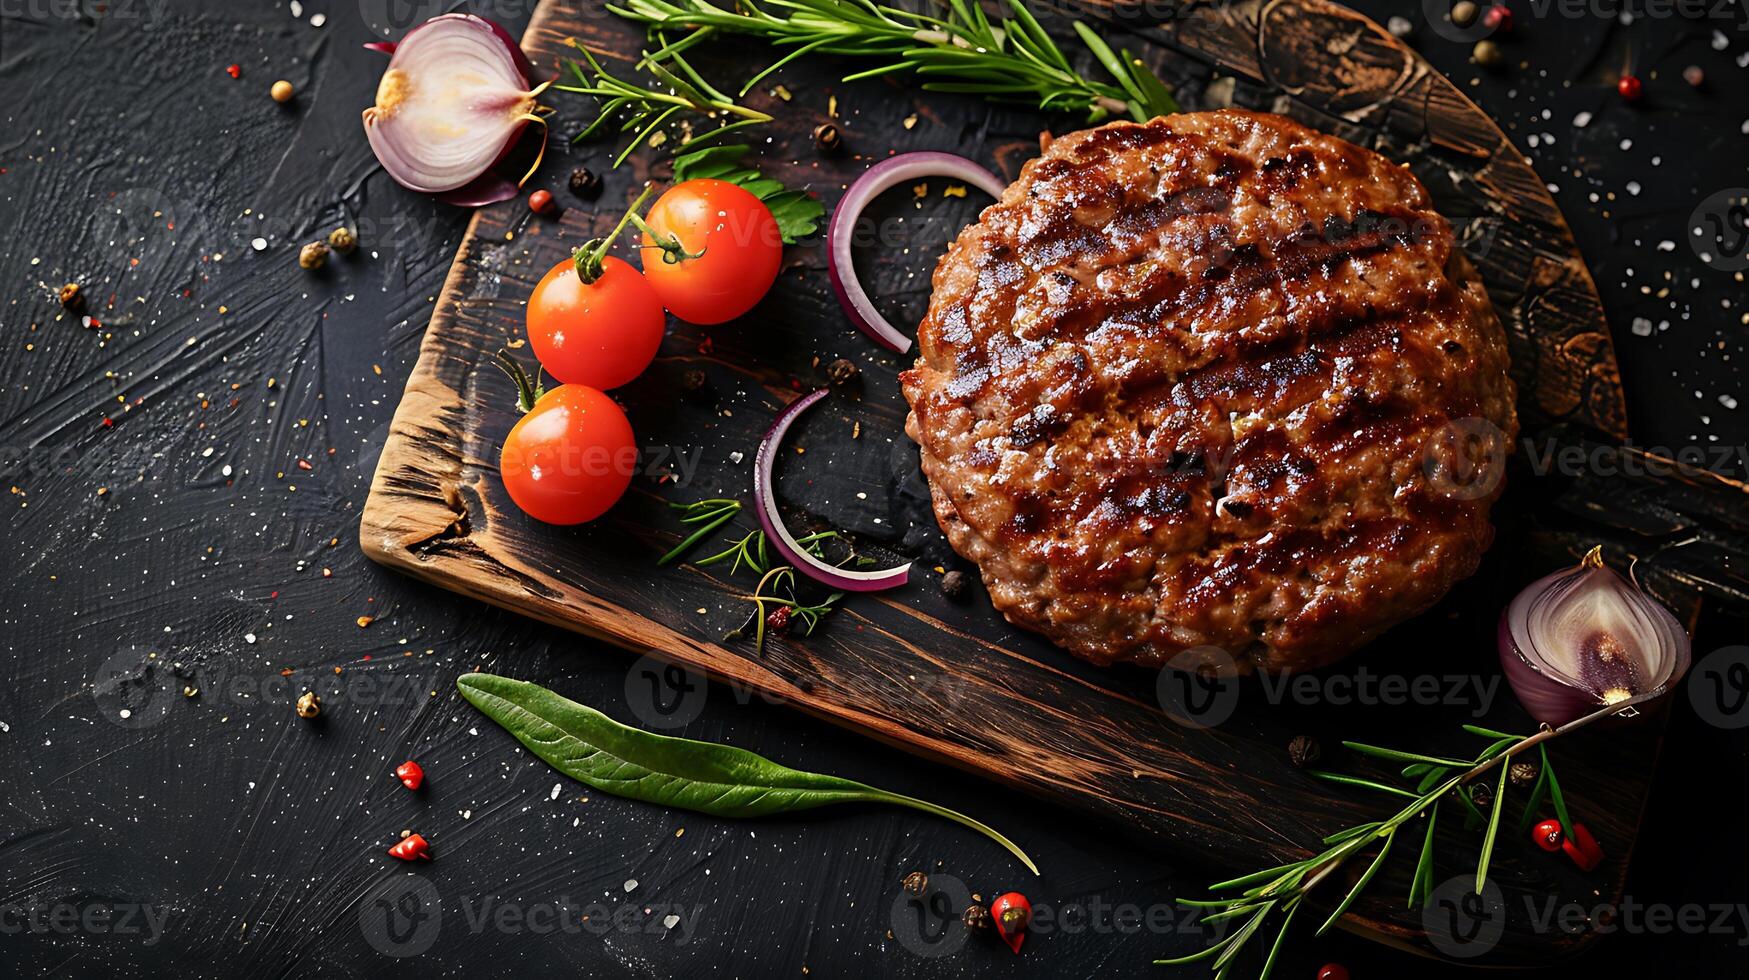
(600, 332)
(571, 456)
(711, 250)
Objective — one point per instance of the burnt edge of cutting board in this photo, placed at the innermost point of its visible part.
(929, 678)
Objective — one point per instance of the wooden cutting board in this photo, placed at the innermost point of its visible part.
(954, 682)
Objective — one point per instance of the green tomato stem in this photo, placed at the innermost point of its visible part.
(588, 258)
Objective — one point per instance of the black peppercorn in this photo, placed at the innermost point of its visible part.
(1303, 750)
(585, 184)
(694, 381)
(953, 585)
(1524, 773)
(842, 371)
(976, 917)
(828, 138)
(916, 882)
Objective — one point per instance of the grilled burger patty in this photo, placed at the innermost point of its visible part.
(1198, 383)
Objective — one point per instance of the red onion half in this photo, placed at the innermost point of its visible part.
(765, 495)
(1586, 637)
(454, 101)
(881, 177)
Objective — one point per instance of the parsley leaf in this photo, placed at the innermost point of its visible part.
(798, 214)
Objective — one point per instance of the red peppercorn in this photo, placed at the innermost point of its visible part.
(1011, 913)
(1333, 971)
(1583, 848)
(1630, 88)
(778, 619)
(1547, 835)
(1498, 19)
(235, 71)
(412, 848)
(411, 774)
(541, 201)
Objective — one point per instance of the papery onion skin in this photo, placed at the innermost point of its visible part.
(765, 502)
(841, 230)
(1562, 667)
(503, 107)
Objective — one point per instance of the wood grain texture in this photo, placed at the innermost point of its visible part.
(954, 683)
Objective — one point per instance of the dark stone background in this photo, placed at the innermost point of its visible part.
(131, 162)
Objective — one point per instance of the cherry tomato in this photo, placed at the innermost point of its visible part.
(570, 458)
(601, 334)
(731, 250)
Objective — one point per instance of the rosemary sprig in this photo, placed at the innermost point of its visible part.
(1282, 888)
(749, 551)
(710, 514)
(643, 110)
(1008, 59)
(777, 590)
(777, 583)
(752, 552)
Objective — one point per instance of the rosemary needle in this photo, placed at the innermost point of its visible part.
(643, 110)
(713, 514)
